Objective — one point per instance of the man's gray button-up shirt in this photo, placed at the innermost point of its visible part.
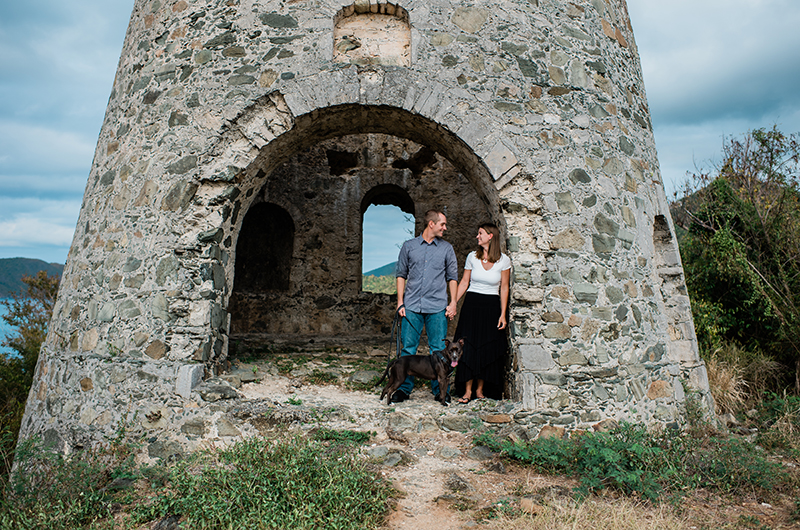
(426, 267)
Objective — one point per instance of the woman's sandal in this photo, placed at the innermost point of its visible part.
(464, 400)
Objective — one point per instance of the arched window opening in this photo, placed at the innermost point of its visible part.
(264, 250)
(385, 228)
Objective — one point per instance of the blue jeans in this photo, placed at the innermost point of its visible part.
(435, 325)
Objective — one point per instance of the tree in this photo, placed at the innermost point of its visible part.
(30, 314)
(742, 247)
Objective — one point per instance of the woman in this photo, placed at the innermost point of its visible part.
(482, 323)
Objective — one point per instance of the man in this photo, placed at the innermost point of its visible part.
(426, 270)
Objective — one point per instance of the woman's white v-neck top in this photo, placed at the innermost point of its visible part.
(482, 281)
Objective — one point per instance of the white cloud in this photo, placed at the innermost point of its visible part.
(36, 228)
(718, 58)
(716, 68)
(34, 149)
(32, 230)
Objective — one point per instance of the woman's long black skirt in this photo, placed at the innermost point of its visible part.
(485, 346)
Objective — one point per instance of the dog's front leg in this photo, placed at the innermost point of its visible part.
(444, 383)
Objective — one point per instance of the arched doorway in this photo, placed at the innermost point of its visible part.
(331, 184)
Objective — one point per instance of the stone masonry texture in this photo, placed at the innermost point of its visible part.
(242, 143)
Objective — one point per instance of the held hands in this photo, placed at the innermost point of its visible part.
(450, 312)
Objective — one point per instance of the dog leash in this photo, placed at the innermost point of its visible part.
(395, 333)
(394, 336)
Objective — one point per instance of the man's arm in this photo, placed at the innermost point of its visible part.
(401, 271)
(401, 290)
(450, 312)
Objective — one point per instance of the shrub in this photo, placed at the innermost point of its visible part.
(779, 422)
(727, 385)
(29, 313)
(54, 491)
(739, 248)
(649, 464)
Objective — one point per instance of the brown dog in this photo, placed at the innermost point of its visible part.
(437, 366)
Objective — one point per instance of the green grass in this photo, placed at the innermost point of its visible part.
(257, 483)
(319, 377)
(343, 437)
(649, 464)
(379, 284)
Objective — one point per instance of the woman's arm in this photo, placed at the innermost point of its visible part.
(505, 279)
(463, 284)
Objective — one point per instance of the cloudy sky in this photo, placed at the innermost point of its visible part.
(711, 67)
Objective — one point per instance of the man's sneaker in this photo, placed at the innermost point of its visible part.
(399, 396)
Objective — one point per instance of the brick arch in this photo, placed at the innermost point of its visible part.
(339, 120)
(268, 133)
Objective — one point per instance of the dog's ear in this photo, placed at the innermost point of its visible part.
(461, 341)
(446, 343)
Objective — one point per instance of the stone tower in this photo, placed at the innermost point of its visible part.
(244, 140)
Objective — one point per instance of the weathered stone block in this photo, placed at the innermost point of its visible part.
(572, 357)
(568, 239)
(550, 431)
(215, 390)
(156, 350)
(194, 427)
(226, 428)
(603, 244)
(399, 422)
(659, 389)
(533, 357)
(459, 423)
(565, 202)
(586, 292)
(160, 308)
(604, 225)
(557, 331)
(470, 19)
(552, 316)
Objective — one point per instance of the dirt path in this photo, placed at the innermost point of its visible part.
(436, 470)
(446, 484)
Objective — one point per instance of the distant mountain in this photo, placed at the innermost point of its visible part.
(13, 269)
(386, 270)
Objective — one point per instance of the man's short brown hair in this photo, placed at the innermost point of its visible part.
(432, 215)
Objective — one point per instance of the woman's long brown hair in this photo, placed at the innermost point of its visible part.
(494, 243)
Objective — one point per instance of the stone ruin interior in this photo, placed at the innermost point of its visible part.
(299, 251)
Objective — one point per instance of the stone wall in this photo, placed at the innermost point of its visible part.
(540, 108)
